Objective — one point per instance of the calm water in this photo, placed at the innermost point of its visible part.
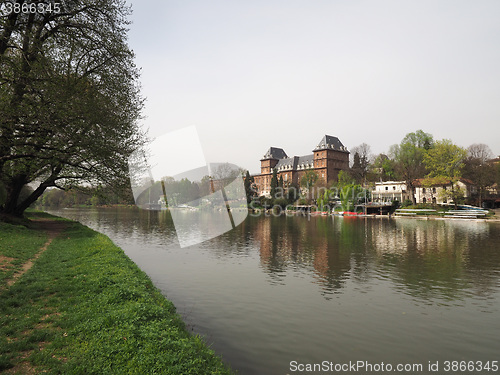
(281, 289)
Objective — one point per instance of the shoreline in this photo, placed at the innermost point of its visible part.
(258, 212)
(85, 307)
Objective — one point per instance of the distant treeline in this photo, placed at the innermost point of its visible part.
(102, 196)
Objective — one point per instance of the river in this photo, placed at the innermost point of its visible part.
(278, 293)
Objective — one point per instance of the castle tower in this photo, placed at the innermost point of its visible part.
(267, 163)
(330, 157)
(270, 159)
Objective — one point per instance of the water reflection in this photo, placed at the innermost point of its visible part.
(276, 289)
(427, 259)
(446, 260)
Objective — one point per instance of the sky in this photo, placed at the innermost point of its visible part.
(254, 74)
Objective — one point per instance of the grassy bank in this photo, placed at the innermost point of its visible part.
(86, 308)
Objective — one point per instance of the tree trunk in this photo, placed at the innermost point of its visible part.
(413, 198)
(12, 206)
(32, 198)
(454, 194)
(13, 193)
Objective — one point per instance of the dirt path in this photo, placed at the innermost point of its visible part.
(53, 229)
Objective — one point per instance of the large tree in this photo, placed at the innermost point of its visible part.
(250, 189)
(309, 179)
(69, 98)
(408, 158)
(479, 169)
(382, 169)
(361, 162)
(446, 161)
(274, 183)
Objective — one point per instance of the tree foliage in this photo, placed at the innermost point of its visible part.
(382, 169)
(497, 175)
(69, 98)
(446, 160)
(274, 183)
(250, 189)
(361, 162)
(408, 158)
(309, 179)
(479, 169)
(352, 195)
(98, 196)
(292, 192)
(344, 179)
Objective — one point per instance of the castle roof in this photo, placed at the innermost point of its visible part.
(275, 153)
(296, 162)
(288, 163)
(329, 142)
(305, 160)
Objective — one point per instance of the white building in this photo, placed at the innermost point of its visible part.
(435, 192)
(389, 191)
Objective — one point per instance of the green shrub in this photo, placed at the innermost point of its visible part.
(407, 203)
(282, 202)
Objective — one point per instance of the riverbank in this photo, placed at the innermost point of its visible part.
(73, 302)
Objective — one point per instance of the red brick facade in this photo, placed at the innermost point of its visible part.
(329, 157)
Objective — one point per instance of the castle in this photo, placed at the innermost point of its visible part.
(328, 158)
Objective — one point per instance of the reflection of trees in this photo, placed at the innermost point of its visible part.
(128, 222)
(427, 259)
(150, 194)
(433, 259)
(144, 223)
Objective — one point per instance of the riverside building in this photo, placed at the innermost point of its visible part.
(328, 158)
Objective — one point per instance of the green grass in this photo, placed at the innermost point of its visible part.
(86, 308)
(18, 243)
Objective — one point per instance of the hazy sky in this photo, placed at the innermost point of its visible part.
(254, 74)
